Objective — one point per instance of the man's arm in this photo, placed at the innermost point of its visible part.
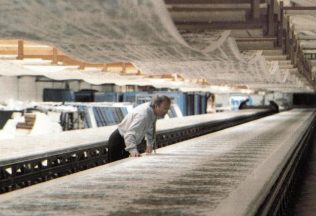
(150, 138)
(130, 137)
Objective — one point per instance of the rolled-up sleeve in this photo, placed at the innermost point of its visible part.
(133, 131)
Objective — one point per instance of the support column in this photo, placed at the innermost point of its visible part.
(105, 68)
(280, 29)
(20, 50)
(55, 56)
(271, 25)
(255, 9)
(124, 69)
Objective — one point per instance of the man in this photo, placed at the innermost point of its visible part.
(243, 104)
(135, 126)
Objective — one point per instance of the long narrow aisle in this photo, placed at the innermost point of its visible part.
(305, 204)
(206, 175)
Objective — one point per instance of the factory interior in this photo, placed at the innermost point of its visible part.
(238, 138)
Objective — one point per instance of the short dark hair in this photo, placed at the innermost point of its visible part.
(159, 99)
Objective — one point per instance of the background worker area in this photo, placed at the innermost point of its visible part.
(137, 125)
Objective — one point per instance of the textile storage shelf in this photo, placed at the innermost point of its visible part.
(85, 95)
(192, 103)
(108, 97)
(58, 95)
(102, 114)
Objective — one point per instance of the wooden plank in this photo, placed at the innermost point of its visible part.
(9, 42)
(32, 43)
(93, 65)
(256, 39)
(68, 60)
(218, 25)
(8, 51)
(38, 51)
(203, 9)
(26, 50)
(299, 8)
(44, 57)
(210, 1)
(120, 65)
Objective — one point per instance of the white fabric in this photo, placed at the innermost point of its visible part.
(140, 32)
(303, 24)
(304, 2)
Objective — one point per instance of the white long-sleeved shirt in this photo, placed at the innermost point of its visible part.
(136, 125)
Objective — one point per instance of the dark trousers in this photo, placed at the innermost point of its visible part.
(116, 147)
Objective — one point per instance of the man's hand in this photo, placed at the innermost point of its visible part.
(149, 149)
(134, 154)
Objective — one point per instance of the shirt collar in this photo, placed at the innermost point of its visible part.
(151, 111)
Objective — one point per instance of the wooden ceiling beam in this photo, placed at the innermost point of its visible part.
(190, 25)
(8, 42)
(38, 51)
(175, 2)
(300, 8)
(127, 65)
(8, 51)
(25, 49)
(171, 76)
(204, 9)
(124, 67)
(44, 57)
(256, 39)
(202, 82)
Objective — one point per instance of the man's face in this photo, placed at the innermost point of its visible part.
(162, 109)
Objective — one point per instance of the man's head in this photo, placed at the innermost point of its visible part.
(160, 105)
